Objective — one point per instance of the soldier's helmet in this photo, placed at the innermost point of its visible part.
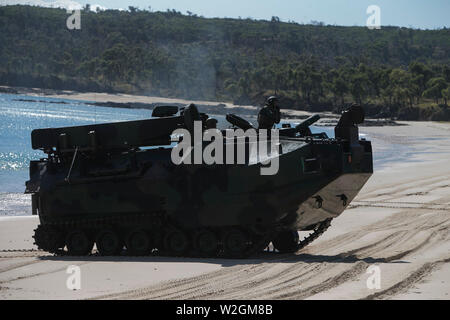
(271, 100)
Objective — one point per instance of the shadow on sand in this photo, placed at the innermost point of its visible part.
(265, 257)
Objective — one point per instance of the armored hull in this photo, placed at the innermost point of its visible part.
(103, 185)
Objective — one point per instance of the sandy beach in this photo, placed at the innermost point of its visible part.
(400, 223)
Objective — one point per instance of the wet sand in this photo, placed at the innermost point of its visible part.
(399, 222)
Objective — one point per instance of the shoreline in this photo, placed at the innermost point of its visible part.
(118, 100)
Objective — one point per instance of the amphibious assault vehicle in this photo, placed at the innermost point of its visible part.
(114, 186)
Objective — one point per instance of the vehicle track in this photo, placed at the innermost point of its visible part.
(37, 274)
(18, 265)
(21, 253)
(415, 277)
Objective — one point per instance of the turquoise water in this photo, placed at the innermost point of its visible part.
(19, 118)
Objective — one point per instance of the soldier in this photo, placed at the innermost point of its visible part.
(269, 114)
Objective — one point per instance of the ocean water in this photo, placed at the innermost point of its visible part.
(19, 118)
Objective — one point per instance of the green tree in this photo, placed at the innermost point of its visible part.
(340, 88)
(434, 88)
(402, 86)
(359, 87)
(446, 95)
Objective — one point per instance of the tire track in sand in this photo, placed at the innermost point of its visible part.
(414, 278)
(320, 267)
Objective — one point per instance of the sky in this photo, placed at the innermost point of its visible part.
(423, 14)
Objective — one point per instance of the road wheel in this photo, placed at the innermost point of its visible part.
(176, 242)
(108, 243)
(206, 243)
(286, 241)
(236, 243)
(78, 243)
(48, 239)
(138, 243)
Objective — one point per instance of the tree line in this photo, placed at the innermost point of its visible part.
(393, 72)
